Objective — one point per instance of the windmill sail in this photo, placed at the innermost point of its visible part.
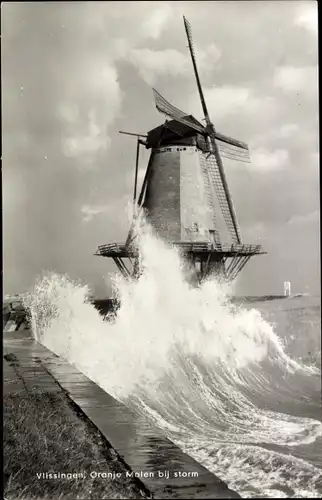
(214, 174)
(216, 167)
(233, 153)
(168, 109)
(225, 200)
(194, 63)
(229, 141)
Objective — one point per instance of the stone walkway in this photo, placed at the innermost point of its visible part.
(11, 381)
(143, 447)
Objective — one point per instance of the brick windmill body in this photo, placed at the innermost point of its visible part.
(185, 195)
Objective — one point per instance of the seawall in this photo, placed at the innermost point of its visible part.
(109, 305)
(163, 468)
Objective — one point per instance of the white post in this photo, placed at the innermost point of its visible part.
(287, 288)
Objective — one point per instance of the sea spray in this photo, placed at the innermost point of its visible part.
(182, 356)
(160, 315)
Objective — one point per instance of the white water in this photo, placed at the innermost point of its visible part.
(198, 367)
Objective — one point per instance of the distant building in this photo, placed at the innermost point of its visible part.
(287, 288)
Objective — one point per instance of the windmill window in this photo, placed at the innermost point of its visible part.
(195, 227)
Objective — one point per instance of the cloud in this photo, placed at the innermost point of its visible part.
(153, 64)
(82, 83)
(89, 212)
(136, 20)
(305, 219)
(208, 58)
(296, 79)
(288, 130)
(77, 81)
(94, 81)
(87, 137)
(307, 17)
(156, 22)
(119, 210)
(86, 127)
(228, 101)
(266, 161)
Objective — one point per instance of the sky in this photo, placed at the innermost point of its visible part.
(75, 73)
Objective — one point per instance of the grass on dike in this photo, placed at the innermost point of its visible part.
(44, 433)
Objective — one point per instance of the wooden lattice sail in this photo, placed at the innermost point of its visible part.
(185, 194)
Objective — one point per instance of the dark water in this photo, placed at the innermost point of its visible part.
(258, 428)
(264, 438)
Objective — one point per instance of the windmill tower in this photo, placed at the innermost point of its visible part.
(185, 193)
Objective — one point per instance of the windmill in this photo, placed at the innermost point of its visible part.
(185, 194)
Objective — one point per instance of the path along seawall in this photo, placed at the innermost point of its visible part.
(161, 466)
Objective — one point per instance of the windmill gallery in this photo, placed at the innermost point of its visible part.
(184, 195)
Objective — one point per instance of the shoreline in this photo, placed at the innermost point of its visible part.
(51, 446)
(151, 459)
